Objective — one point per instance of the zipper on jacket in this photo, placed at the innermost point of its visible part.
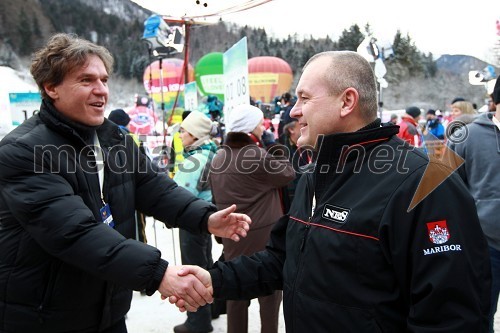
(40, 310)
(49, 284)
(300, 259)
(308, 225)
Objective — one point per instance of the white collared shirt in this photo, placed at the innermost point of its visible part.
(496, 121)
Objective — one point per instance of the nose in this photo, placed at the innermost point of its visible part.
(100, 88)
(296, 111)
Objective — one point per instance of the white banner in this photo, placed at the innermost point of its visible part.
(235, 64)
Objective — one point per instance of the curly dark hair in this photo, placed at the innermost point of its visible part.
(62, 54)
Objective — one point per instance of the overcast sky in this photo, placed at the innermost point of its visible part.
(437, 26)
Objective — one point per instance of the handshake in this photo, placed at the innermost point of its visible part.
(188, 287)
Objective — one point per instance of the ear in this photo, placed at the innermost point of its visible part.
(350, 99)
(51, 91)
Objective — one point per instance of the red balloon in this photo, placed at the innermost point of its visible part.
(268, 77)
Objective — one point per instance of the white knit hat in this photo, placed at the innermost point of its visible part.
(244, 118)
(198, 125)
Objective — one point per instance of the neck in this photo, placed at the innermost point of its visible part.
(85, 132)
(354, 124)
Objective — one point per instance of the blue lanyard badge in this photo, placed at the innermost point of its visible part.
(106, 216)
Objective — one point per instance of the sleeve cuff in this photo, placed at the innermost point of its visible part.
(216, 276)
(204, 222)
(157, 277)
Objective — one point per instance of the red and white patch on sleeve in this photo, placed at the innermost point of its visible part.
(438, 232)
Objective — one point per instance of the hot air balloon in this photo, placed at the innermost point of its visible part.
(209, 74)
(173, 81)
(268, 77)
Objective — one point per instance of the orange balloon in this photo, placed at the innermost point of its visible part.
(268, 77)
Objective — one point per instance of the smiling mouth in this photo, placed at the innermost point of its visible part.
(97, 105)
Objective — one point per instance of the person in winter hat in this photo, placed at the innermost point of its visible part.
(119, 117)
(195, 133)
(433, 126)
(413, 111)
(408, 127)
(250, 119)
(244, 171)
(244, 118)
(477, 144)
(199, 128)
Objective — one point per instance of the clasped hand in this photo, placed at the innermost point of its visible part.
(189, 287)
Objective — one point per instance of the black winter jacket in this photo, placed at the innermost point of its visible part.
(364, 262)
(61, 268)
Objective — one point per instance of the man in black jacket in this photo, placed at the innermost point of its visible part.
(368, 244)
(70, 182)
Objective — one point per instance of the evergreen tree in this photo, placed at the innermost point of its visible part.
(278, 53)
(350, 39)
(3, 17)
(25, 33)
(36, 27)
(307, 53)
(430, 68)
(407, 54)
(262, 43)
(292, 58)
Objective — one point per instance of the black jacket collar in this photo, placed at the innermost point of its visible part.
(108, 133)
(332, 147)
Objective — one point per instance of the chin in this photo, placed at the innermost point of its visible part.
(302, 142)
(95, 122)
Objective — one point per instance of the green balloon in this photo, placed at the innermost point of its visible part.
(209, 75)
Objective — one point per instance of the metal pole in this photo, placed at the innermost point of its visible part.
(162, 102)
(173, 245)
(154, 232)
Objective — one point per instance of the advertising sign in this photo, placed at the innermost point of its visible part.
(235, 64)
(23, 106)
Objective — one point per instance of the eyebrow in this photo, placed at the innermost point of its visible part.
(89, 75)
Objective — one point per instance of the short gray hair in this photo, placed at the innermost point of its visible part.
(349, 69)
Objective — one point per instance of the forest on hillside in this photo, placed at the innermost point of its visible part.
(27, 24)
